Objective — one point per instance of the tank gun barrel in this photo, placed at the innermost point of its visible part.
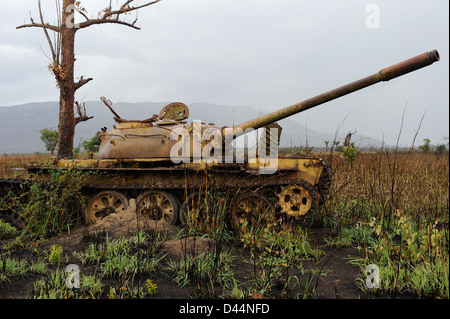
(385, 74)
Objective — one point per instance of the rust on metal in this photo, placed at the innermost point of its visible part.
(176, 111)
(109, 105)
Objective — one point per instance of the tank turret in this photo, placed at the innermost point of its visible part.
(154, 138)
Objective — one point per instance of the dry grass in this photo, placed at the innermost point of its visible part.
(9, 162)
(394, 208)
(417, 183)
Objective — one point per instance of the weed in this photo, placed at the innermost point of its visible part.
(13, 268)
(49, 208)
(394, 208)
(411, 259)
(8, 231)
(126, 291)
(53, 286)
(150, 287)
(55, 254)
(123, 258)
(205, 269)
(208, 215)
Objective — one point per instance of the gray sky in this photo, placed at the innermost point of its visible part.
(260, 53)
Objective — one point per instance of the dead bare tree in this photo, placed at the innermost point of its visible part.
(61, 40)
(348, 138)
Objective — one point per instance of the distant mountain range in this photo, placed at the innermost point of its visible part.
(20, 124)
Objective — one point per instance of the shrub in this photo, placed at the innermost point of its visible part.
(49, 208)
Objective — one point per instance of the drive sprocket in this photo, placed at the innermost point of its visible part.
(297, 199)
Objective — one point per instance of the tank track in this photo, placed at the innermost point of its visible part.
(318, 193)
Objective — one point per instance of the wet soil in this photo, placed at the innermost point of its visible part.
(330, 276)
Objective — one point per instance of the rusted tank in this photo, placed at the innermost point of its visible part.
(170, 166)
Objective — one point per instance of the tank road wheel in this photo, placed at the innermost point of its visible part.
(106, 203)
(296, 200)
(158, 205)
(249, 212)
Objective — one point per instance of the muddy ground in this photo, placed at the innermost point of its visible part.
(333, 277)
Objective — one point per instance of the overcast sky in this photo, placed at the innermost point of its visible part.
(266, 54)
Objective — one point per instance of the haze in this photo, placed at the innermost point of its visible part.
(258, 53)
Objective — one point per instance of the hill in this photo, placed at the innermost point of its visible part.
(20, 124)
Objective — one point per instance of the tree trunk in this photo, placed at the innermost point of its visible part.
(63, 53)
(66, 84)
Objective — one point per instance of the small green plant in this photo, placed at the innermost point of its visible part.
(7, 231)
(126, 291)
(112, 294)
(123, 258)
(55, 254)
(205, 269)
(275, 255)
(411, 259)
(53, 286)
(150, 287)
(12, 268)
(52, 207)
(350, 152)
(91, 286)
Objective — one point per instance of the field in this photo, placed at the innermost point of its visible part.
(387, 213)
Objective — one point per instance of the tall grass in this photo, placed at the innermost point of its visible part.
(375, 186)
(394, 207)
(50, 207)
(8, 163)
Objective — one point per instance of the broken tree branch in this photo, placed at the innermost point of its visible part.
(125, 8)
(81, 110)
(82, 82)
(83, 118)
(82, 13)
(39, 25)
(90, 22)
(43, 25)
(112, 16)
(50, 44)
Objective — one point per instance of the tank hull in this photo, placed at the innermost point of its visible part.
(126, 179)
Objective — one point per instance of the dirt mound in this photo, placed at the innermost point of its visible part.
(187, 246)
(127, 224)
(119, 225)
